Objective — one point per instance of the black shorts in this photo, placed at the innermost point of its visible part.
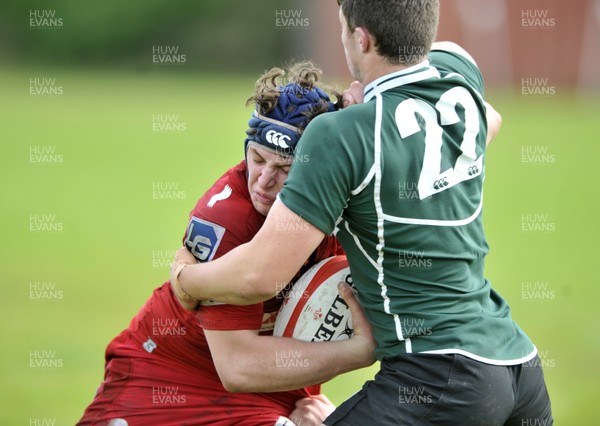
(427, 389)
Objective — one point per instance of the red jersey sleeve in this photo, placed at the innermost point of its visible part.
(224, 218)
(230, 317)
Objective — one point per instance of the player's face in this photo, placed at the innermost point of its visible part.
(266, 174)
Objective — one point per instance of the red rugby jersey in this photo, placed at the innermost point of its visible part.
(162, 366)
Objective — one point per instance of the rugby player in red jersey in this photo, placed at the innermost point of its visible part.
(185, 363)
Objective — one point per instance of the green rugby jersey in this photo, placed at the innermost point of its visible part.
(399, 180)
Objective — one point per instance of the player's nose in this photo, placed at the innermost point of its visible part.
(267, 177)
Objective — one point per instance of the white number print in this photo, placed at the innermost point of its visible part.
(467, 166)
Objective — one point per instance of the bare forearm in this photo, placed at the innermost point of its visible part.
(247, 362)
(229, 279)
(282, 364)
(258, 270)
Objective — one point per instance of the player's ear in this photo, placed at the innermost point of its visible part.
(363, 38)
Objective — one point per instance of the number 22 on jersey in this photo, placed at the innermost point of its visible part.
(468, 165)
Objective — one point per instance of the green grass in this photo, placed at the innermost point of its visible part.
(102, 261)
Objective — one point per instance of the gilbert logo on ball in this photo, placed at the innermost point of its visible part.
(314, 310)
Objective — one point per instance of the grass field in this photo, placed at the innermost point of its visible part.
(95, 199)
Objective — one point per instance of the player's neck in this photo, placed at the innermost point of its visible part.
(376, 67)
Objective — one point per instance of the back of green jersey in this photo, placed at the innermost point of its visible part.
(403, 174)
(432, 144)
(428, 182)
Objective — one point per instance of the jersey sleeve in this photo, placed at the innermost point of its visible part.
(321, 177)
(229, 317)
(455, 63)
(222, 219)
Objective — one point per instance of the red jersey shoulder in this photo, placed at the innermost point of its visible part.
(223, 217)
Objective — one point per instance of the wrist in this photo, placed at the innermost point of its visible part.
(182, 292)
(362, 351)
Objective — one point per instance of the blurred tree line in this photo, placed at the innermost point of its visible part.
(236, 35)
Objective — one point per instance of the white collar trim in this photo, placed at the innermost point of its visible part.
(400, 78)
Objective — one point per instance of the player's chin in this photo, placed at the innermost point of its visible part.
(261, 206)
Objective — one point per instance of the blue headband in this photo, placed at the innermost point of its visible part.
(280, 129)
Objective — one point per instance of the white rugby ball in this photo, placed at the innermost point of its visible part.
(313, 310)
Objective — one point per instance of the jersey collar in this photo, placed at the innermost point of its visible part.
(421, 71)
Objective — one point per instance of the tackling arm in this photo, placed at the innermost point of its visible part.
(247, 362)
(255, 271)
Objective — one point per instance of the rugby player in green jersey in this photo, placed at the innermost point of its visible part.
(398, 179)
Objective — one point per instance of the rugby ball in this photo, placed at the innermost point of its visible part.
(313, 310)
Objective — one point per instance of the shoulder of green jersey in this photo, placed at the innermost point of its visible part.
(448, 46)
